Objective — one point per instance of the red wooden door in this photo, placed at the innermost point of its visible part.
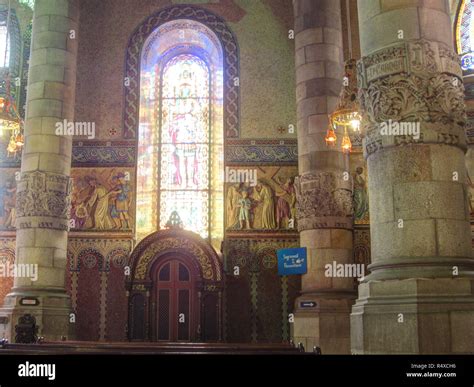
(174, 301)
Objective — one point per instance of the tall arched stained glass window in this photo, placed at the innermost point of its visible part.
(11, 42)
(180, 151)
(185, 141)
(465, 27)
(4, 46)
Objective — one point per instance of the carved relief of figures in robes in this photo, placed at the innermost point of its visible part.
(264, 194)
(233, 206)
(272, 197)
(97, 206)
(7, 204)
(361, 199)
(102, 200)
(286, 204)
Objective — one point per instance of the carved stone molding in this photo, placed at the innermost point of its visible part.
(412, 82)
(324, 200)
(418, 57)
(43, 200)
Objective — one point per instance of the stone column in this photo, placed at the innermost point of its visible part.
(324, 191)
(419, 296)
(44, 186)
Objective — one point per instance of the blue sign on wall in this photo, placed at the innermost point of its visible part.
(467, 61)
(292, 261)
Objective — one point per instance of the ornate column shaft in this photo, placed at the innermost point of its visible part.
(419, 297)
(44, 188)
(324, 196)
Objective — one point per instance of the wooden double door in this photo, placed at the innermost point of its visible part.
(176, 310)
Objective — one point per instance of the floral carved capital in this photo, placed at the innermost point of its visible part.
(43, 200)
(417, 82)
(324, 200)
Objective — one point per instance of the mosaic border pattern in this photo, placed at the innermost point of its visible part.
(261, 152)
(123, 153)
(104, 154)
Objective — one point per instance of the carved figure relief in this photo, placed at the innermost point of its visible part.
(101, 199)
(269, 204)
(7, 199)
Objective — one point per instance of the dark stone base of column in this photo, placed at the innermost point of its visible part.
(414, 316)
(51, 309)
(323, 321)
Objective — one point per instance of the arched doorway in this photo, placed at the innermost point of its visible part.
(175, 289)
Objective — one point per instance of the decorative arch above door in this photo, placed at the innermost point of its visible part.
(175, 289)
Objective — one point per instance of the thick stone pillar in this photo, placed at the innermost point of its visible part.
(419, 297)
(324, 193)
(44, 187)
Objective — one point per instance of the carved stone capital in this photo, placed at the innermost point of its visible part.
(324, 200)
(416, 57)
(417, 82)
(43, 200)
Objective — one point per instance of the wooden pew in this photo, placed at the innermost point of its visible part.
(85, 347)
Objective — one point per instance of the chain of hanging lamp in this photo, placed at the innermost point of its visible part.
(346, 117)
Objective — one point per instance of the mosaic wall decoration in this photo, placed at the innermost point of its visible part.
(7, 257)
(260, 198)
(7, 198)
(95, 280)
(103, 153)
(261, 152)
(470, 127)
(122, 153)
(360, 188)
(468, 90)
(258, 300)
(102, 199)
(267, 61)
(361, 249)
(470, 163)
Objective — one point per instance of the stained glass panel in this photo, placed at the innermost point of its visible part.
(144, 213)
(4, 47)
(180, 150)
(185, 120)
(192, 208)
(185, 142)
(185, 166)
(185, 101)
(465, 28)
(186, 76)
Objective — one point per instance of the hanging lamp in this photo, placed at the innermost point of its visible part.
(346, 115)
